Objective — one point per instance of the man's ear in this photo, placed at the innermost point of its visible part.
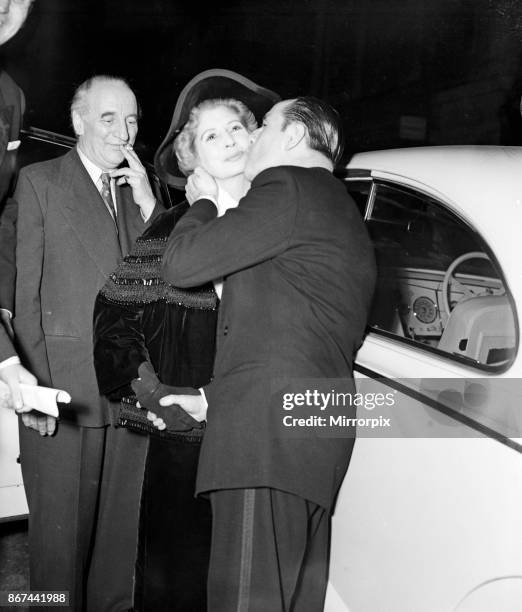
(294, 134)
(77, 123)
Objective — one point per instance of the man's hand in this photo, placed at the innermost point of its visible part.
(13, 375)
(45, 425)
(194, 405)
(136, 176)
(200, 184)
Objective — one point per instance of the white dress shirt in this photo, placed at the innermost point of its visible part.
(95, 173)
(224, 202)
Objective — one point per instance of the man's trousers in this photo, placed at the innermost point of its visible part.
(83, 489)
(269, 552)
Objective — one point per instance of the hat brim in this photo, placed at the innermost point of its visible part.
(215, 83)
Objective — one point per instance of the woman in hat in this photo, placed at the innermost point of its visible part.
(152, 338)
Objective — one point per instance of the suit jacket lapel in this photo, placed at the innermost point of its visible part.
(87, 214)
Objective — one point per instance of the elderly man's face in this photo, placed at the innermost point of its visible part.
(12, 17)
(109, 122)
(267, 149)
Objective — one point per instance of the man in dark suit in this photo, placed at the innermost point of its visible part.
(12, 105)
(299, 276)
(77, 216)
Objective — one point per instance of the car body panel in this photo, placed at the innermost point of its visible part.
(431, 519)
(13, 504)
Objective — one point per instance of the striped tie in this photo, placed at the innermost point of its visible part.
(107, 195)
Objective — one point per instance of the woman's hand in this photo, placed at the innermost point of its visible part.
(200, 184)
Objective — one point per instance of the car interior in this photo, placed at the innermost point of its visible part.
(438, 286)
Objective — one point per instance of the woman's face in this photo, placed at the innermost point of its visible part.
(221, 142)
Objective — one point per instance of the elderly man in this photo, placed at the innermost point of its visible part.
(12, 17)
(299, 276)
(77, 216)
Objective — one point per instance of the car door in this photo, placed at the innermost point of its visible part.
(429, 513)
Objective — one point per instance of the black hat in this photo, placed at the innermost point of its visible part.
(215, 83)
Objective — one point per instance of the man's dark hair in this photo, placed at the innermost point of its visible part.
(325, 133)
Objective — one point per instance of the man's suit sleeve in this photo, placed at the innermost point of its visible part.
(156, 212)
(29, 259)
(6, 348)
(7, 254)
(203, 247)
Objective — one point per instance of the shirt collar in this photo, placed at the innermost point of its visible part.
(93, 170)
(225, 201)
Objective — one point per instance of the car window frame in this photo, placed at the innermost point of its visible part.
(360, 175)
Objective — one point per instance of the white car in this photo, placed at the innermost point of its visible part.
(429, 517)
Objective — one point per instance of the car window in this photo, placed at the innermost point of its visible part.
(439, 286)
(360, 192)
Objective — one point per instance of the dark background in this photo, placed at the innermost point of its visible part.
(402, 73)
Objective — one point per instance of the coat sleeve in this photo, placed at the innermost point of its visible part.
(156, 212)
(29, 260)
(203, 247)
(6, 348)
(130, 220)
(7, 254)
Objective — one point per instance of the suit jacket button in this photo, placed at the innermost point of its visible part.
(225, 330)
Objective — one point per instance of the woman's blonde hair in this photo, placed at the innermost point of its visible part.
(183, 145)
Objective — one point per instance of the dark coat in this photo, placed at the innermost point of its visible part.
(12, 106)
(67, 246)
(138, 317)
(300, 274)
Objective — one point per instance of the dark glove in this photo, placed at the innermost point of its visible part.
(149, 390)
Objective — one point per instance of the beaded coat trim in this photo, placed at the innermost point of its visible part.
(137, 280)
